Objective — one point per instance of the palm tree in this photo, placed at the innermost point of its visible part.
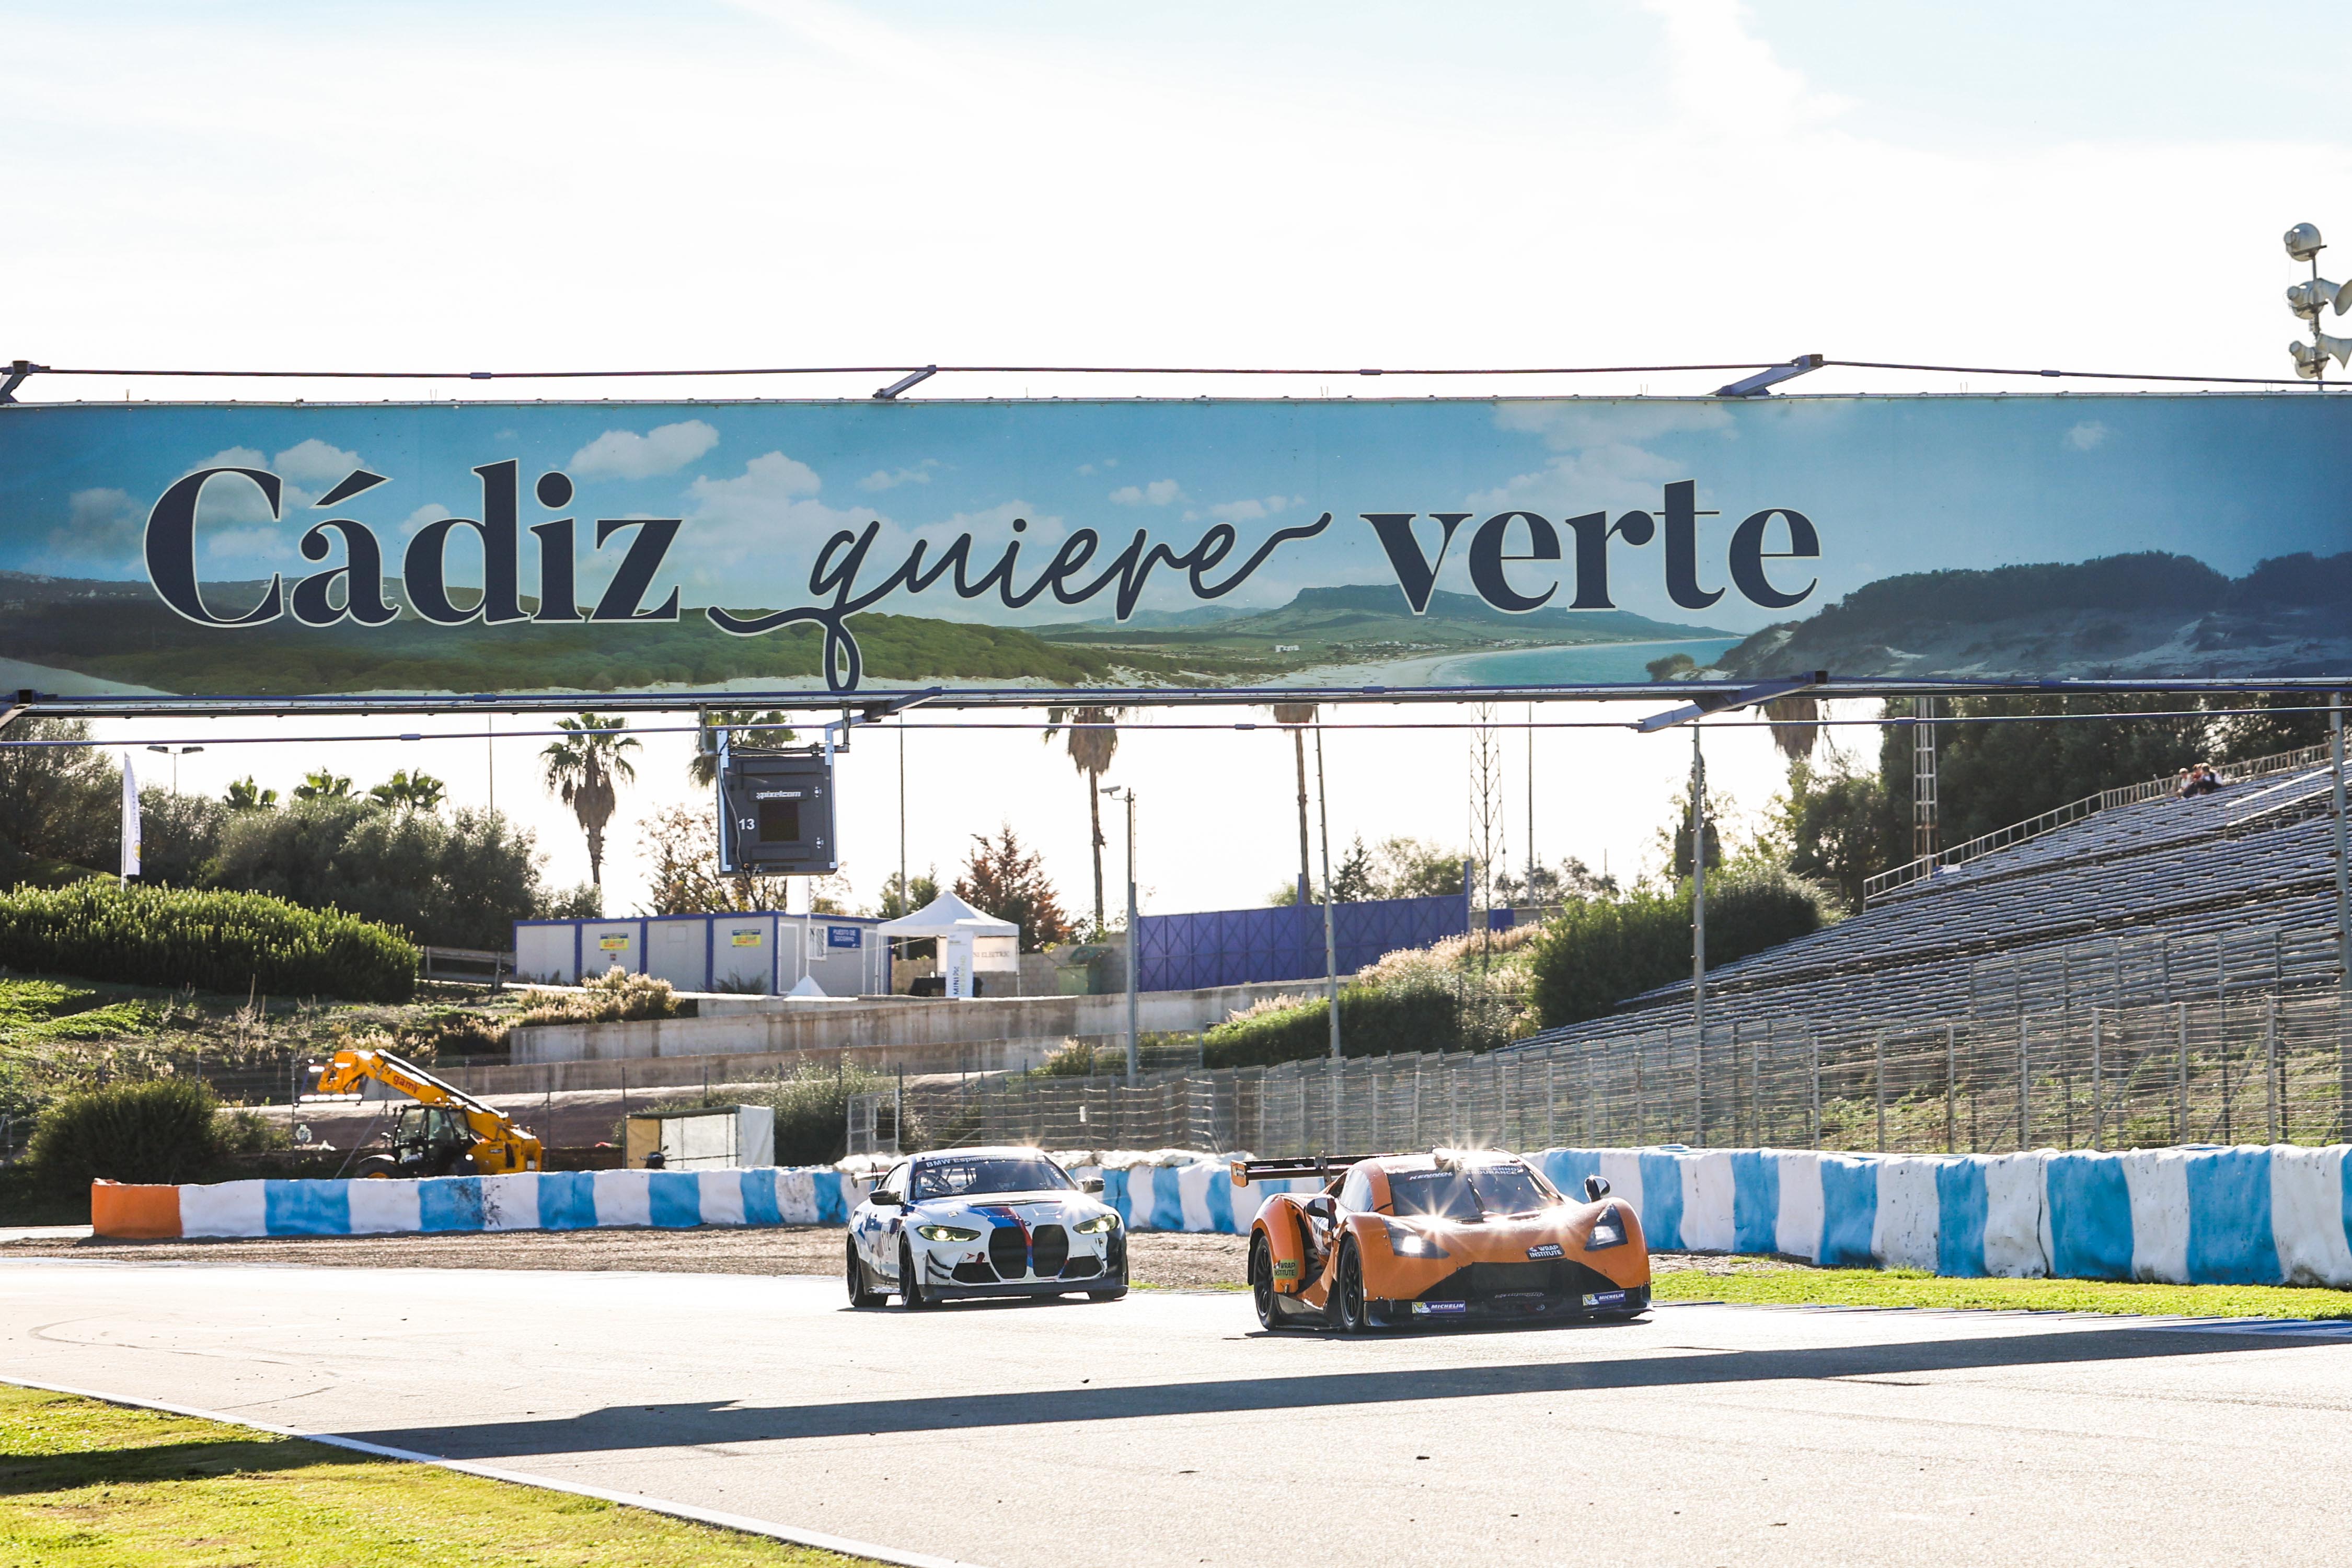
(703, 766)
(416, 792)
(582, 770)
(1093, 742)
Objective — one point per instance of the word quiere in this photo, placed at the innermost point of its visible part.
(1503, 574)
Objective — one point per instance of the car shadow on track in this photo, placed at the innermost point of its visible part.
(687, 1424)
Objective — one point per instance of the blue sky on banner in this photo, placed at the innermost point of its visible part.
(1892, 485)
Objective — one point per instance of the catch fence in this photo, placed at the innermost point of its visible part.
(2273, 1067)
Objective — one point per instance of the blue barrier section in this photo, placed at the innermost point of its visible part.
(307, 1208)
(1961, 1209)
(2090, 1216)
(1755, 1201)
(449, 1202)
(567, 1199)
(673, 1199)
(832, 1201)
(1660, 1208)
(759, 1199)
(2230, 1240)
(1849, 1212)
(1115, 1193)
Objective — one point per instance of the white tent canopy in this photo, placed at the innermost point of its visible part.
(969, 941)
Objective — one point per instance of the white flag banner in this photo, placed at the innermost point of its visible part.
(130, 819)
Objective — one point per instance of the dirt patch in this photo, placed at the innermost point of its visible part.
(1182, 1262)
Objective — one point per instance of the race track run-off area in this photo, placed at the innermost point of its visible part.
(1167, 1429)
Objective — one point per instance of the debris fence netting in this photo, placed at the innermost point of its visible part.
(2273, 1066)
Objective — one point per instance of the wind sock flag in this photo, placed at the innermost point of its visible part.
(130, 819)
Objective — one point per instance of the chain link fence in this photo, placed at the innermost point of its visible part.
(2253, 1066)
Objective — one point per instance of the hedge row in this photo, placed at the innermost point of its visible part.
(214, 941)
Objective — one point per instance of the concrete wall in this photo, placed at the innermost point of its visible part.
(873, 1022)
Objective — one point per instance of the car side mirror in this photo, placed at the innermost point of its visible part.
(1595, 1188)
(1321, 1206)
(1091, 1184)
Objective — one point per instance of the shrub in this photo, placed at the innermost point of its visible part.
(164, 1130)
(612, 998)
(1595, 954)
(229, 942)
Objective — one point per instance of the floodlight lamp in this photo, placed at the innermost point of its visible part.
(2306, 299)
(2303, 241)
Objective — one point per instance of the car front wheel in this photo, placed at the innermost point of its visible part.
(910, 1278)
(1348, 1313)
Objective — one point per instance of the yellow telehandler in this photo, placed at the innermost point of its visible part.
(447, 1132)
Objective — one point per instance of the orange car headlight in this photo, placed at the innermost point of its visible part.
(1406, 1242)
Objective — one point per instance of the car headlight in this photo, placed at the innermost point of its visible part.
(1607, 1231)
(1409, 1243)
(946, 1233)
(1096, 1225)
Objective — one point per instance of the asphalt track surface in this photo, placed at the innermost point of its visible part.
(1166, 1429)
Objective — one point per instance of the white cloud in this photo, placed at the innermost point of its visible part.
(626, 455)
(314, 465)
(891, 478)
(2085, 435)
(1159, 492)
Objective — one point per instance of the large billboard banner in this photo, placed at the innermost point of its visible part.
(701, 551)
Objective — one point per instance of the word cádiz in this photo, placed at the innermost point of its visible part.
(1511, 559)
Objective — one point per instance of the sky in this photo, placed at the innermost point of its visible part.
(448, 188)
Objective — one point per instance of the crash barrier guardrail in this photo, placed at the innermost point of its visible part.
(2246, 1216)
(1896, 878)
(2276, 1066)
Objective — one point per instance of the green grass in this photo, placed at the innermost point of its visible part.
(89, 1485)
(1792, 1286)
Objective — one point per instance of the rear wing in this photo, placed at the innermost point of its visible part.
(1321, 1167)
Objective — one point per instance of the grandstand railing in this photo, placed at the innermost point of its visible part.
(2275, 1066)
(1911, 871)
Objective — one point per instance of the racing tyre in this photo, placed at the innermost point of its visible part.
(1348, 1312)
(377, 1168)
(1261, 1283)
(861, 1288)
(911, 1281)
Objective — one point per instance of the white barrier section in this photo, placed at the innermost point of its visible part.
(1798, 1233)
(378, 1208)
(1907, 1229)
(2307, 1215)
(2159, 1183)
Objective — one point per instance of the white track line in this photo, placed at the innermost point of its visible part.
(734, 1521)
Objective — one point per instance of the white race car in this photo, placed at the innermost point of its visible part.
(983, 1222)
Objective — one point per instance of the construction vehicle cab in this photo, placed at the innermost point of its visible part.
(447, 1132)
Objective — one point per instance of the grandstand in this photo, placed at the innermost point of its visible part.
(2160, 900)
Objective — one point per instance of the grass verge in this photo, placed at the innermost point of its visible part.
(1910, 1288)
(84, 1484)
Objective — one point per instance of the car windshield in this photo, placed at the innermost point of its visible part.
(1468, 1194)
(1008, 1174)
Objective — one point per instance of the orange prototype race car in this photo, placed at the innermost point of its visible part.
(1442, 1236)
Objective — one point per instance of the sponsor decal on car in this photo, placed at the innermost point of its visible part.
(1440, 1309)
(1547, 1249)
(1604, 1298)
(1285, 1268)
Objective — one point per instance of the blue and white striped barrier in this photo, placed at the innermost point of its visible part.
(2280, 1214)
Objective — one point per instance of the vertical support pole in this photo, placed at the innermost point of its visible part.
(1330, 940)
(1699, 912)
(1813, 1049)
(1878, 1083)
(2098, 1079)
(1134, 952)
(2180, 1092)
(2269, 1066)
(1951, 1088)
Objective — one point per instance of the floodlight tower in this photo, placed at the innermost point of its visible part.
(2307, 298)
